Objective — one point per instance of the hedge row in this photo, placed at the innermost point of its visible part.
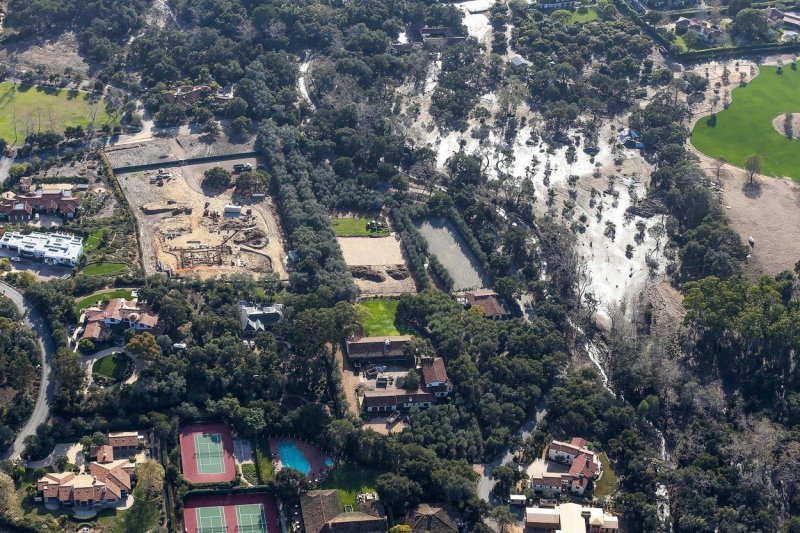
(61, 179)
(413, 243)
(440, 273)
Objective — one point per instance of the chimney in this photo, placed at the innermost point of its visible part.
(386, 344)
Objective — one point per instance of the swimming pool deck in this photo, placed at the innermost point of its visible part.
(319, 464)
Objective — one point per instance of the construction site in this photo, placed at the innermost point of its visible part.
(185, 231)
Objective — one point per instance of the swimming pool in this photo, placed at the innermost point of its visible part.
(292, 457)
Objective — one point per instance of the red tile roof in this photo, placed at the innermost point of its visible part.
(433, 370)
(489, 301)
(583, 465)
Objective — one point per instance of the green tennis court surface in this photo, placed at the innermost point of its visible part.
(250, 518)
(208, 450)
(211, 520)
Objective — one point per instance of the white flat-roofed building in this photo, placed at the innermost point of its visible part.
(52, 248)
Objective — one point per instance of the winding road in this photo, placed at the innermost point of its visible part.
(41, 411)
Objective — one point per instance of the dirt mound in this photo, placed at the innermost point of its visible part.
(398, 272)
(254, 238)
(368, 273)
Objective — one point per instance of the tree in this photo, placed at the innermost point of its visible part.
(504, 475)
(412, 380)
(751, 25)
(753, 166)
(143, 516)
(400, 528)
(503, 516)
(289, 484)
(241, 125)
(61, 463)
(144, 345)
(217, 178)
(737, 5)
(212, 128)
(561, 16)
(398, 492)
(718, 164)
(86, 346)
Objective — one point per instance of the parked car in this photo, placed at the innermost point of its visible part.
(16, 259)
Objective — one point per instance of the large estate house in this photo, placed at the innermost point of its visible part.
(584, 467)
(129, 313)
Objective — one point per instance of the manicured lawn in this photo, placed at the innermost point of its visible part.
(608, 483)
(93, 241)
(93, 299)
(45, 109)
(112, 367)
(581, 18)
(356, 227)
(105, 269)
(351, 480)
(381, 318)
(745, 128)
(680, 41)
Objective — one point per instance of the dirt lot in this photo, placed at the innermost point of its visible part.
(55, 55)
(768, 212)
(205, 244)
(377, 265)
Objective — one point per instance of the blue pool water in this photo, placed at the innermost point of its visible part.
(292, 457)
(328, 462)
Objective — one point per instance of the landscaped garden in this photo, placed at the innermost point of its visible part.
(360, 227)
(105, 269)
(112, 368)
(746, 128)
(99, 297)
(351, 480)
(21, 105)
(608, 482)
(380, 318)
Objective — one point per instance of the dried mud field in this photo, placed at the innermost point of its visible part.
(377, 265)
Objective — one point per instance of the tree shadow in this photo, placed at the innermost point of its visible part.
(752, 190)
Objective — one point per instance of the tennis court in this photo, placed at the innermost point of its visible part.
(250, 518)
(251, 512)
(211, 520)
(208, 453)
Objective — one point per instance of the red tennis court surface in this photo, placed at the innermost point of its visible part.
(229, 503)
(190, 458)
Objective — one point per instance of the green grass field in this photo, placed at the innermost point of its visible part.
(105, 269)
(93, 299)
(112, 366)
(608, 482)
(745, 128)
(265, 464)
(351, 480)
(32, 108)
(93, 241)
(582, 18)
(380, 318)
(356, 227)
